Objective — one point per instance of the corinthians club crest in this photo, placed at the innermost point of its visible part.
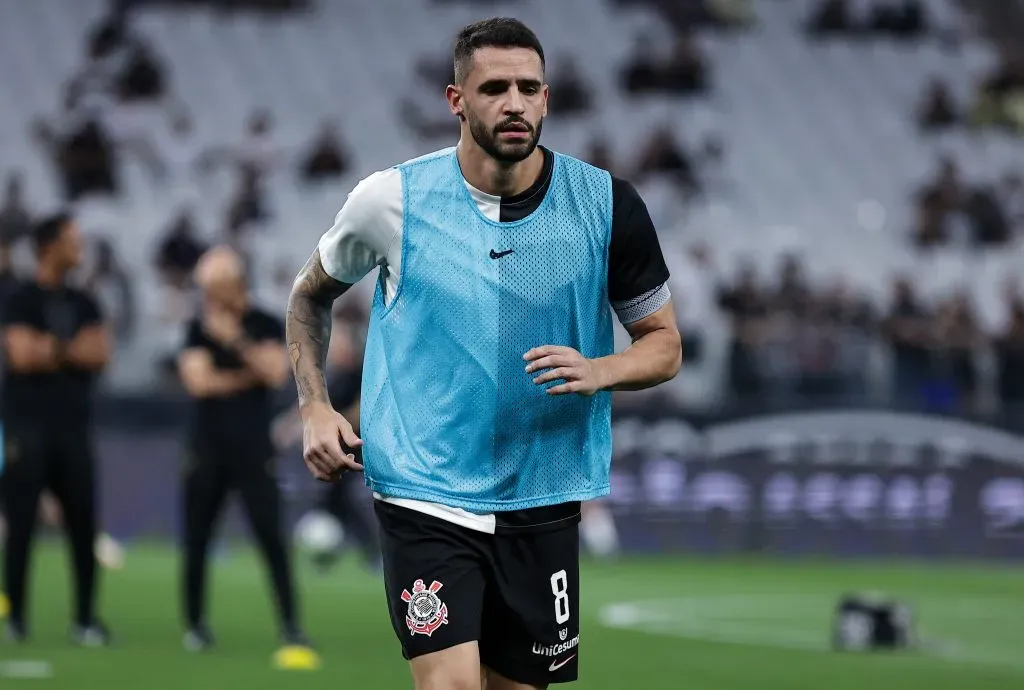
(426, 612)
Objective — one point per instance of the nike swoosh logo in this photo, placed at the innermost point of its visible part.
(498, 255)
(555, 665)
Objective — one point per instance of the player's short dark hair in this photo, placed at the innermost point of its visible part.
(499, 32)
(48, 231)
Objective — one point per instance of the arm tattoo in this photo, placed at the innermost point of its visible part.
(308, 328)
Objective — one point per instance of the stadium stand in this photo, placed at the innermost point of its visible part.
(813, 146)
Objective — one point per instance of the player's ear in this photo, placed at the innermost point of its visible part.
(454, 96)
(545, 112)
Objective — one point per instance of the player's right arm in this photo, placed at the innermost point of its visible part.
(357, 242)
(308, 329)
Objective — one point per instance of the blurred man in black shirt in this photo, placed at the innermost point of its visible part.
(55, 344)
(233, 361)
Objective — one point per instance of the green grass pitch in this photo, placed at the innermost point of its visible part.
(649, 624)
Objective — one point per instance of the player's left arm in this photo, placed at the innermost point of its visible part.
(654, 356)
(638, 290)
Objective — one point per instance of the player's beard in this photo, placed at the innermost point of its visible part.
(504, 151)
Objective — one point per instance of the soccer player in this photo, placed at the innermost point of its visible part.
(55, 344)
(232, 362)
(488, 371)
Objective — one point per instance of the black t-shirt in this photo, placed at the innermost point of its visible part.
(636, 265)
(245, 414)
(64, 395)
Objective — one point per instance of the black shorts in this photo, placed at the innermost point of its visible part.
(515, 592)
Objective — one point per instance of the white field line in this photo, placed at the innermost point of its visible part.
(767, 620)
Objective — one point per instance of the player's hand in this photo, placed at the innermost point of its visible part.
(325, 435)
(580, 375)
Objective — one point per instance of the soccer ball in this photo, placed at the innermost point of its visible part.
(319, 532)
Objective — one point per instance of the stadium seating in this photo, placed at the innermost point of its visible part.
(822, 150)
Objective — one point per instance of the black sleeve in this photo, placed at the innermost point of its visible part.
(635, 262)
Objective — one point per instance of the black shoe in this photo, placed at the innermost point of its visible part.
(92, 636)
(15, 633)
(198, 639)
(296, 638)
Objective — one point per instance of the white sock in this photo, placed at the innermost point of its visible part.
(598, 531)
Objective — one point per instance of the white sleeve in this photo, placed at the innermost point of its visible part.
(365, 228)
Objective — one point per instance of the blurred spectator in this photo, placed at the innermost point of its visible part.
(693, 294)
(800, 352)
(852, 319)
(436, 72)
(748, 311)
(15, 220)
(929, 224)
(986, 217)
(793, 295)
(179, 251)
(142, 77)
(1010, 195)
(570, 93)
(937, 110)
(903, 19)
(109, 34)
(1009, 351)
(832, 17)
(248, 205)
(941, 217)
(907, 328)
(601, 155)
(814, 344)
(81, 148)
(686, 72)
(662, 155)
(954, 380)
(109, 284)
(327, 158)
(427, 116)
(641, 74)
(122, 62)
